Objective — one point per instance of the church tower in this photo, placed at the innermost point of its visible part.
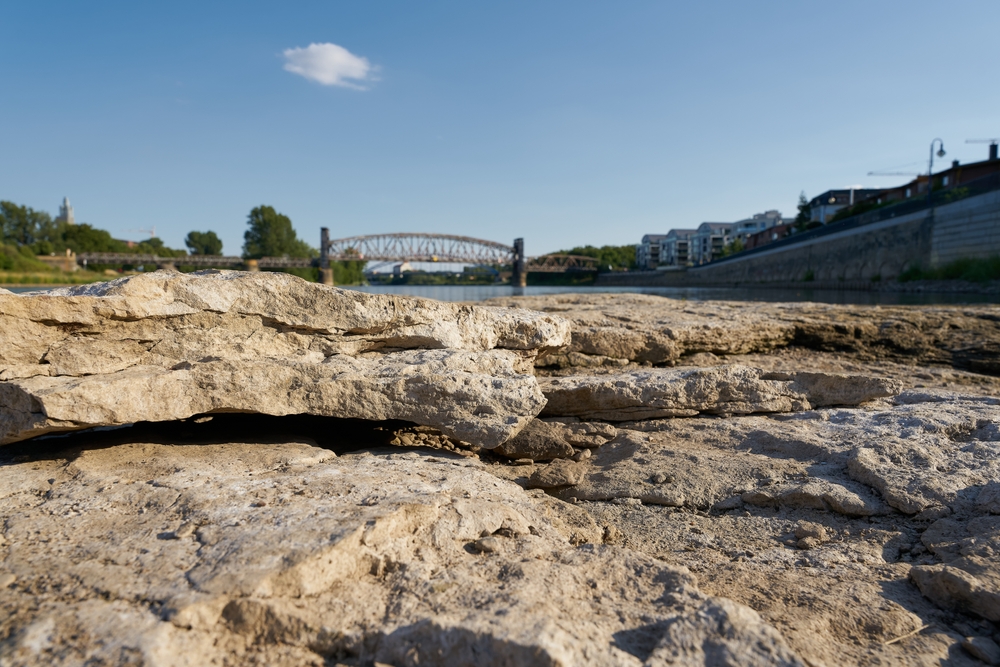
(66, 213)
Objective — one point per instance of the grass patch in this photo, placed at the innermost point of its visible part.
(50, 278)
(971, 270)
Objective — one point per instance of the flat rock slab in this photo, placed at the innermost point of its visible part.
(611, 329)
(545, 440)
(166, 346)
(284, 554)
(685, 392)
(924, 452)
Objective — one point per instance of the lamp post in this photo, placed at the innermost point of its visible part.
(930, 170)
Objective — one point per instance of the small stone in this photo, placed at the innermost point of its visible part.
(613, 535)
(661, 478)
(561, 472)
(989, 498)
(523, 462)
(6, 579)
(807, 529)
(808, 543)
(582, 455)
(539, 441)
(983, 648)
(186, 530)
(487, 545)
(506, 529)
(730, 503)
(933, 514)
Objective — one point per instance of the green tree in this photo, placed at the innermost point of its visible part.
(733, 247)
(203, 243)
(804, 217)
(617, 257)
(270, 234)
(24, 226)
(85, 238)
(155, 246)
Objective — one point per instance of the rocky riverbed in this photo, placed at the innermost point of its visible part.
(235, 469)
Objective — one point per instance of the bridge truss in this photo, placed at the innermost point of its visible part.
(419, 248)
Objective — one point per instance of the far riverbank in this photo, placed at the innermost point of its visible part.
(473, 293)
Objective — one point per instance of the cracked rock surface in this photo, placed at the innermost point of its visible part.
(734, 389)
(771, 500)
(163, 346)
(612, 330)
(284, 553)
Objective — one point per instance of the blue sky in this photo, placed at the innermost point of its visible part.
(566, 123)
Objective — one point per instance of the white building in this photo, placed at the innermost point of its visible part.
(675, 249)
(758, 223)
(66, 213)
(709, 240)
(647, 253)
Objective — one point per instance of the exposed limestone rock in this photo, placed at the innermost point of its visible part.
(720, 634)
(652, 394)
(859, 535)
(932, 449)
(538, 441)
(557, 474)
(988, 499)
(954, 588)
(284, 554)
(817, 494)
(165, 346)
(821, 459)
(983, 648)
(969, 576)
(545, 440)
(644, 328)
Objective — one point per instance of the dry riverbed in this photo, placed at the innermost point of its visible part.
(707, 483)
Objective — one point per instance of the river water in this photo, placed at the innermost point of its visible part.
(482, 292)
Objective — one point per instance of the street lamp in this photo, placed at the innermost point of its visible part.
(930, 169)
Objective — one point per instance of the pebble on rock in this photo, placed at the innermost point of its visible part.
(983, 648)
(487, 545)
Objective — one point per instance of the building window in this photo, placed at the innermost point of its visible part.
(907, 193)
(944, 181)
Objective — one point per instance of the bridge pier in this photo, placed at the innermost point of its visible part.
(520, 275)
(325, 270)
(252, 265)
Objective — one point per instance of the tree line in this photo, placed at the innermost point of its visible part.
(609, 257)
(26, 233)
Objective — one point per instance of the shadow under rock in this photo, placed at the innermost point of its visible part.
(338, 435)
(643, 640)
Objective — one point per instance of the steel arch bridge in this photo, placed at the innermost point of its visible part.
(420, 247)
(417, 247)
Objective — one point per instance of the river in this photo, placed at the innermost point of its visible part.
(482, 292)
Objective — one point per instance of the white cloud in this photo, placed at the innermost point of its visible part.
(330, 65)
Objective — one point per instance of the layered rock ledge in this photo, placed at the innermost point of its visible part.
(167, 346)
(779, 497)
(653, 394)
(612, 330)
